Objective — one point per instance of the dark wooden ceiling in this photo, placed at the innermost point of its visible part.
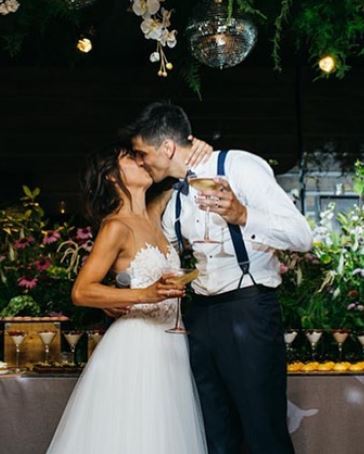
(52, 115)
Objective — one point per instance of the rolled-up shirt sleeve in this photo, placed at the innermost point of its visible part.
(272, 218)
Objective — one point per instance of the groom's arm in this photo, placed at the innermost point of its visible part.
(254, 200)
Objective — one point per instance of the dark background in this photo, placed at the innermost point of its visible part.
(57, 105)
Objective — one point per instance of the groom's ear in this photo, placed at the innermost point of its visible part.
(169, 148)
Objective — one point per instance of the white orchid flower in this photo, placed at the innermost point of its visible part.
(142, 7)
(12, 5)
(152, 28)
(171, 39)
(154, 57)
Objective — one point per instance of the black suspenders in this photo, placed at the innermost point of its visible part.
(235, 230)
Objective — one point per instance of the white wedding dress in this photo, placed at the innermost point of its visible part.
(136, 394)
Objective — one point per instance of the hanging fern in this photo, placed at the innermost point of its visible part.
(278, 23)
(244, 6)
(192, 77)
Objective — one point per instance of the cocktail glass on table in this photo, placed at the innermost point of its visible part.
(340, 336)
(47, 337)
(17, 337)
(313, 336)
(72, 337)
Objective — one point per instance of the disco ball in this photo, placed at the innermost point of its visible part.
(217, 41)
(79, 4)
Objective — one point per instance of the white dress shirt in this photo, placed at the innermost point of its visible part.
(273, 222)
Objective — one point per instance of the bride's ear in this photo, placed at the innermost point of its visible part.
(169, 148)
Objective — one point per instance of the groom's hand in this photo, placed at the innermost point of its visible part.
(223, 202)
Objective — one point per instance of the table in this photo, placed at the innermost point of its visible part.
(325, 413)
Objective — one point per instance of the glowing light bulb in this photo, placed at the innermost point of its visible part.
(327, 64)
(84, 45)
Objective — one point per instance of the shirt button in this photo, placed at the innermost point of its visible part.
(197, 220)
(253, 237)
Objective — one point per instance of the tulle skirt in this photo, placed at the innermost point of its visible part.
(135, 396)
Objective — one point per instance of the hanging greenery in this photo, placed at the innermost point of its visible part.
(328, 30)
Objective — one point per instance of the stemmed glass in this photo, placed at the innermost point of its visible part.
(18, 338)
(218, 220)
(360, 337)
(47, 338)
(179, 276)
(72, 338)
(289, 337)
(313, 335)
(95, 335)
(203, 184)
(340, 336)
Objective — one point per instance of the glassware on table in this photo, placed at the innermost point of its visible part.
(179, 276)
(47, 337)
(340, 336)
(95, 335)
(313, 335)
(203, 184)
(289, 337)
(17, 337)
(72, 337)
(360, 337)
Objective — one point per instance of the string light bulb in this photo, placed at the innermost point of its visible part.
(327, 64)
(84, 45)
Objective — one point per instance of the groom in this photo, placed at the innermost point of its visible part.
(236, 337)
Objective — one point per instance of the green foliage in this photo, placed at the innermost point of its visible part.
(38, 261)
(21, 305)
(325, 288)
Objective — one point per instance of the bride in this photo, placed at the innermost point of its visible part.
(136, 394)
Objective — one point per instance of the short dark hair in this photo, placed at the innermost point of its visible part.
(162, 120)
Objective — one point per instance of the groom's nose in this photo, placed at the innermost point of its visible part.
(139, 160)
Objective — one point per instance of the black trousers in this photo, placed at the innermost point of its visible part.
(237, 356)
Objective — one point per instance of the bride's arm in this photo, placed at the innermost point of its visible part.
(88, 289)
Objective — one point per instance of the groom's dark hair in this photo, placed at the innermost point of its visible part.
(162, 120)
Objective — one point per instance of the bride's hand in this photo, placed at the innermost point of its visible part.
(200, 152)
(162, 290)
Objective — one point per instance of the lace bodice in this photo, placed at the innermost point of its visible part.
(147, 267)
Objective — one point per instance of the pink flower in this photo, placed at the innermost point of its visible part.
(2, 258)
(42, 264)
(283, 268)
(27, 282)
(51, 236)
(22, 243)
(84, 234)
(87, 246)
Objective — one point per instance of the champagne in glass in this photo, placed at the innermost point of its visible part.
(72, 338)
(340, 336)
(203, 184)
(180, 276)
(18, 338)
(47, 337)
(313, 335)
(289, 337)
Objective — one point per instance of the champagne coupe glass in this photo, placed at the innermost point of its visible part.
(203, 184)
(179, 276)
(313, 335)
(72, 338)
(47, 337)
(340, 336)
(18, 338)
(223, 227)
(289, 337)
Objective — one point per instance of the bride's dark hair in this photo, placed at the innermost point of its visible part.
(102, 186)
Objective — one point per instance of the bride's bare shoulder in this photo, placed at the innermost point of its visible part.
(115, 228)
